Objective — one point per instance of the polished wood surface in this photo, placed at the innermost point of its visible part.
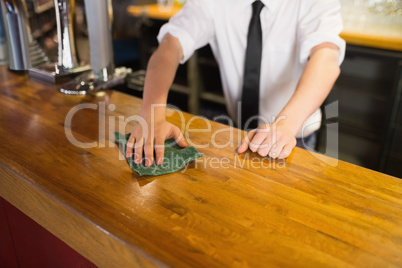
(371, 40)
(305, 211)
(354, 37)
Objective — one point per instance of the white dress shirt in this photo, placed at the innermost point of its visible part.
(291, 28)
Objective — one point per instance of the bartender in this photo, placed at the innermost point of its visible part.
(278, 61)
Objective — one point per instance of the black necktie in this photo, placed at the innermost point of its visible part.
(252, 70)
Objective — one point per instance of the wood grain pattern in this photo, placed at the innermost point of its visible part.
(250, 212)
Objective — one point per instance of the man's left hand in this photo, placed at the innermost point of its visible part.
(275, 140)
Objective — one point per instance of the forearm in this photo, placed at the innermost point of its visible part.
(316, 82)
(161, 71)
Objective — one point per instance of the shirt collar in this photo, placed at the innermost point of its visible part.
(270, 4)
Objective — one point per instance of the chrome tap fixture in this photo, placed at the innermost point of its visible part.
(103, 75)
(99, 19)
(67, 56)
(67, 64)
(18, 34)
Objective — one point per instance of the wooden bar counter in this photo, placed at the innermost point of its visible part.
(225, 210)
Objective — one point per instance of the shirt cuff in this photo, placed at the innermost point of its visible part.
(315, 40)
(311, 125)
(186, 42)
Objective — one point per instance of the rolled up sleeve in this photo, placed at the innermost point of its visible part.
(321, 23)
(192, 26)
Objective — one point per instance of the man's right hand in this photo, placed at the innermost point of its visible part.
(143, 144)
(161, 70)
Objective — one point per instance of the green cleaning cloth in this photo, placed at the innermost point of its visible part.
(175, 157)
